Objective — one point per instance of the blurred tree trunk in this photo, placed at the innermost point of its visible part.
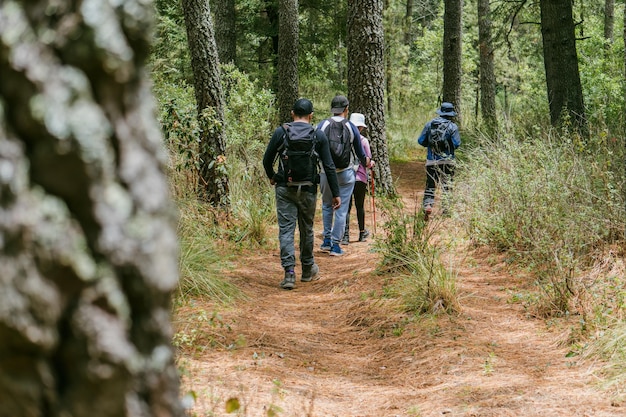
(366, 80)
(87, 230)
(452, 57)
(487, 75)
(225, 31)
(561, 64)
(213, 181)
(287, 67)
(609, 20)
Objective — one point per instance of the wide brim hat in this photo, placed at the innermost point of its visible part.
(358, 119)
(446, 109)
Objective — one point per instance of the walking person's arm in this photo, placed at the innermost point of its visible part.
(456, 136)
(270, 155)
(423, 137)
(323, 151)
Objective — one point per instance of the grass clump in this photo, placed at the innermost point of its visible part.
(202, 258)
(409, 251)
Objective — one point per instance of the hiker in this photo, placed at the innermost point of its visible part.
(360, 186)
(343, 139)
(299, 147)
(441, 137)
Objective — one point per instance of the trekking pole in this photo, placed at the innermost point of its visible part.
(373, 200)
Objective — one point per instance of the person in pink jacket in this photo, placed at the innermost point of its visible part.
(360, 186)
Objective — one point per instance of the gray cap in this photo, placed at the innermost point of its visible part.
(339, 104)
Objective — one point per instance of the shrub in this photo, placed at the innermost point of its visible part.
(549, 199)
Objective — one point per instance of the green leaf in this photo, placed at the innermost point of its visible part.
(232, 405)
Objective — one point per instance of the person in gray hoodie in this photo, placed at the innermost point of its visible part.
(296, 200)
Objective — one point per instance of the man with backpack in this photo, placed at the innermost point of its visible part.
(441, 137)
(298, 148)
(345, 143)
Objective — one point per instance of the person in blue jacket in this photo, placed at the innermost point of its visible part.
(441, 137)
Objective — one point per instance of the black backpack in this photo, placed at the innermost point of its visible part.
(340, 137)
(299, 159)
(439, 139)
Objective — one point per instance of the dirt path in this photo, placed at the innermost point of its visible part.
(336, 347)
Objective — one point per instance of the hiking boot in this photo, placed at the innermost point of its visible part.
(310, 273)
(326, 245)
(363, 235)
(336, 250)
(289, 281)
(346, 238)
(427, 212)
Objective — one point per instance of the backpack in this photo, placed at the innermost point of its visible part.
(299, 159)
(439, 140)
(340, 137)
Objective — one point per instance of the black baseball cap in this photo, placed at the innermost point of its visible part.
(339, 104)
(302, 107)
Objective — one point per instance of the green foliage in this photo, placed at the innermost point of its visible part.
(602, 74)
(420, 277)
(248, 113)
(170, 57)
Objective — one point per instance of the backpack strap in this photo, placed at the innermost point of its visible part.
(283, 145)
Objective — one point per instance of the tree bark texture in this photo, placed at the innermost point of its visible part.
(561, 63)
(366, 80)
(287, 67)
(225, 31)
(609, 20)
(452, 58)
(487, 75)
(87, 230)
(213, 181)
(409, 36)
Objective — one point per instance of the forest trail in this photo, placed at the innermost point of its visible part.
(337, 347)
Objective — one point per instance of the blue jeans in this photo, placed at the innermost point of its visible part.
(293, 207)
(334, 229)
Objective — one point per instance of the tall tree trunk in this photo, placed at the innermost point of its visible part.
(561, 63)
(408, 23)
(366, 80)
(213, 184)
(225, 30)
(88, 260)
(452, 58)
(609, 20)
(487, 75)
(287, 67)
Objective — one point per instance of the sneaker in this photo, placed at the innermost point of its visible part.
(326, 245)
(364, 235)
(310, 273)
(346, 239)
(289, 281)
(336, 250)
